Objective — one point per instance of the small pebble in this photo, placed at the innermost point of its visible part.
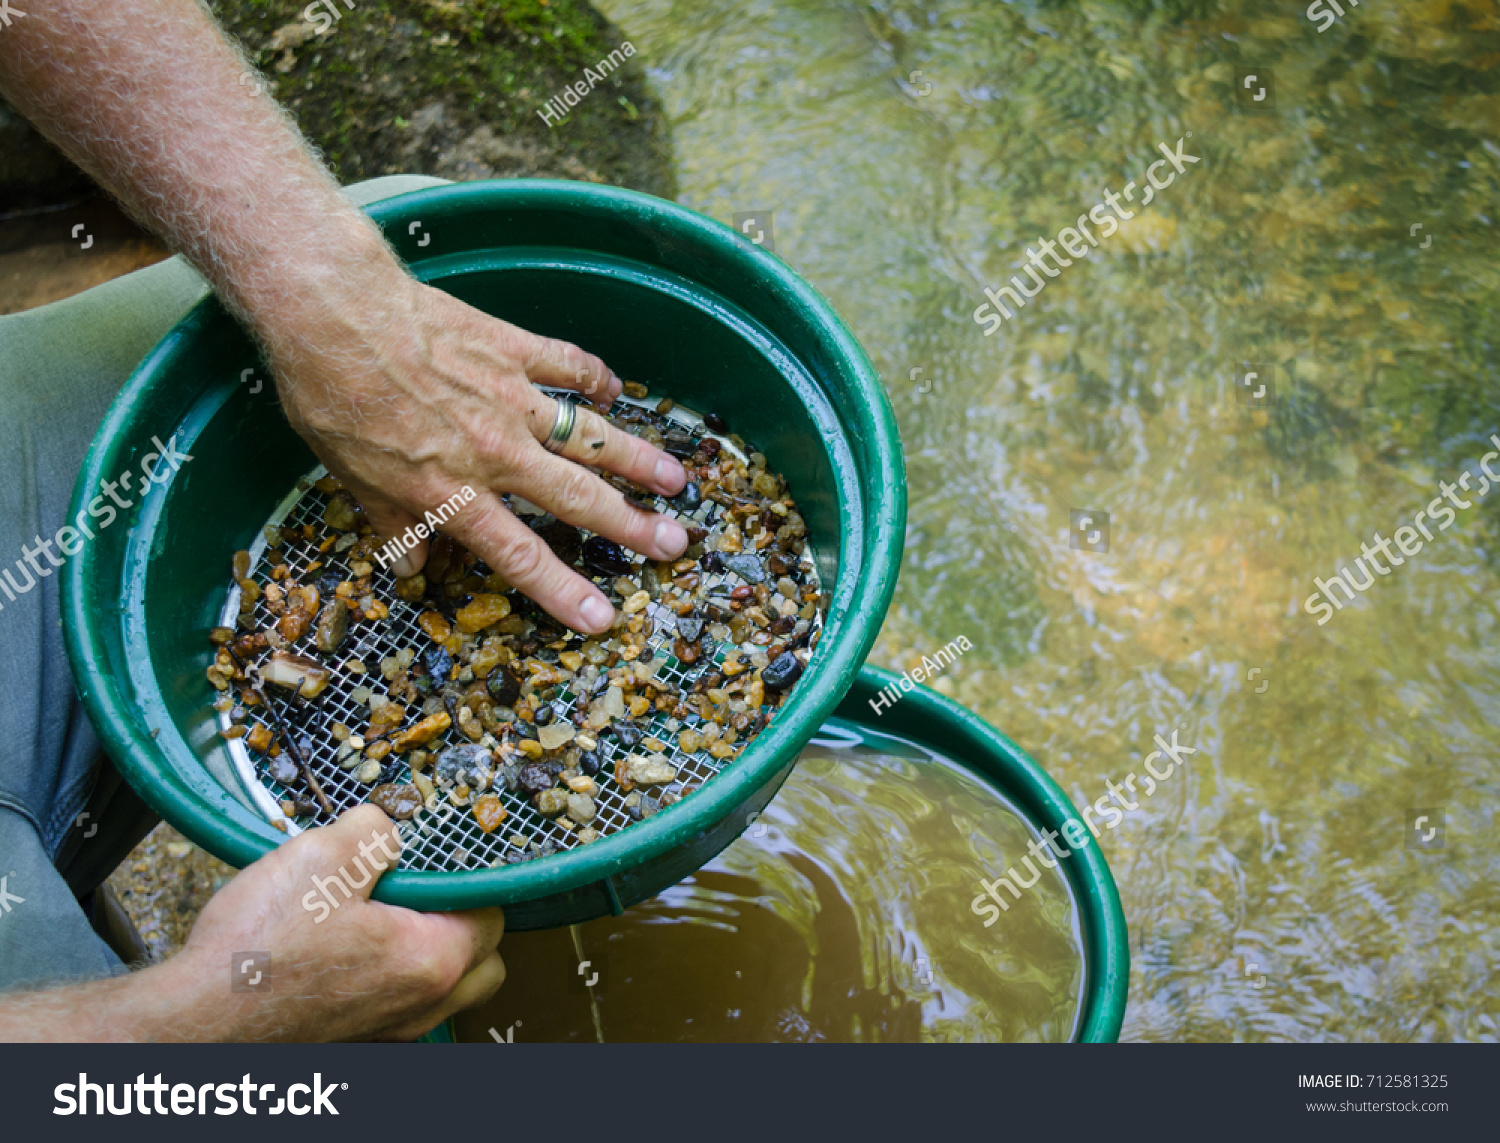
(550, 803)
(581, 808)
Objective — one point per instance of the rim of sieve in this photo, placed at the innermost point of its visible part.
(423, 840)
(627, 236)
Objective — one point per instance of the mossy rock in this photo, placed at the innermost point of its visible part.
(450, 88)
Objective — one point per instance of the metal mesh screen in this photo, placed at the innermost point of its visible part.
(449, 837)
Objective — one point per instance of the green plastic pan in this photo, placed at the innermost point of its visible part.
(938, 724)
(663, 294)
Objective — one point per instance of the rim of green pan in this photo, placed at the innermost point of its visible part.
(219, 823)
(929, 719)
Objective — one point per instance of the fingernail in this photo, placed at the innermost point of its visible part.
(596, 613)
(616, 386)
(670, 537)
(404, 568)
(670, 475)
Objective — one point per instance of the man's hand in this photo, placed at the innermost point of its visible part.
(405, 393)
(353, 970)
(424, 395)
(356, 969)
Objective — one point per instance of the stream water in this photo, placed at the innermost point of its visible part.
(1336, 237)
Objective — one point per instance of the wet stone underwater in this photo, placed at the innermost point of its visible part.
(905, 155)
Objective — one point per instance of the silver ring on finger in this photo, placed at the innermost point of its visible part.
(562, 427)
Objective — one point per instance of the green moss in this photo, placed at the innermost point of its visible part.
(355, 90)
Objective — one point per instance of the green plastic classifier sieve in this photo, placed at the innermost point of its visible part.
(664, 295)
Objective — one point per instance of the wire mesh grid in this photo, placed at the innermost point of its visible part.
(449, 837)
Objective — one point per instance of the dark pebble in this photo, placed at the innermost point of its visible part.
(747, 567)
(544, 716)
(783, 671)
(679, 445)
(393, 769)
(628, 734)
(715, 423)
(468, 756)
(605, 557)
(284, 770)
(565, 540)
(438, 663)
(713, 562)
(644, 503)
(533, 779)
(304, 808)
(689, 498)
(328, 584)
(588, 762)
(709, 447)
(782, 625)
(504, 686)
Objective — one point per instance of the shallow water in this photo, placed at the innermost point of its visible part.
(1271, 890)
(842, 914)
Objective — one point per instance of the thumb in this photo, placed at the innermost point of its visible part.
(362, 835)
(391, 523)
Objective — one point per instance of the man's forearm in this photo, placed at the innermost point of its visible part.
(165, 1002)
(146, 96)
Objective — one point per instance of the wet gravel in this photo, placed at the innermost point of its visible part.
(164, 884)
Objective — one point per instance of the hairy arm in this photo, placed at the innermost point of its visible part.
(146, 97)
(405, 393)
(357, 970)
